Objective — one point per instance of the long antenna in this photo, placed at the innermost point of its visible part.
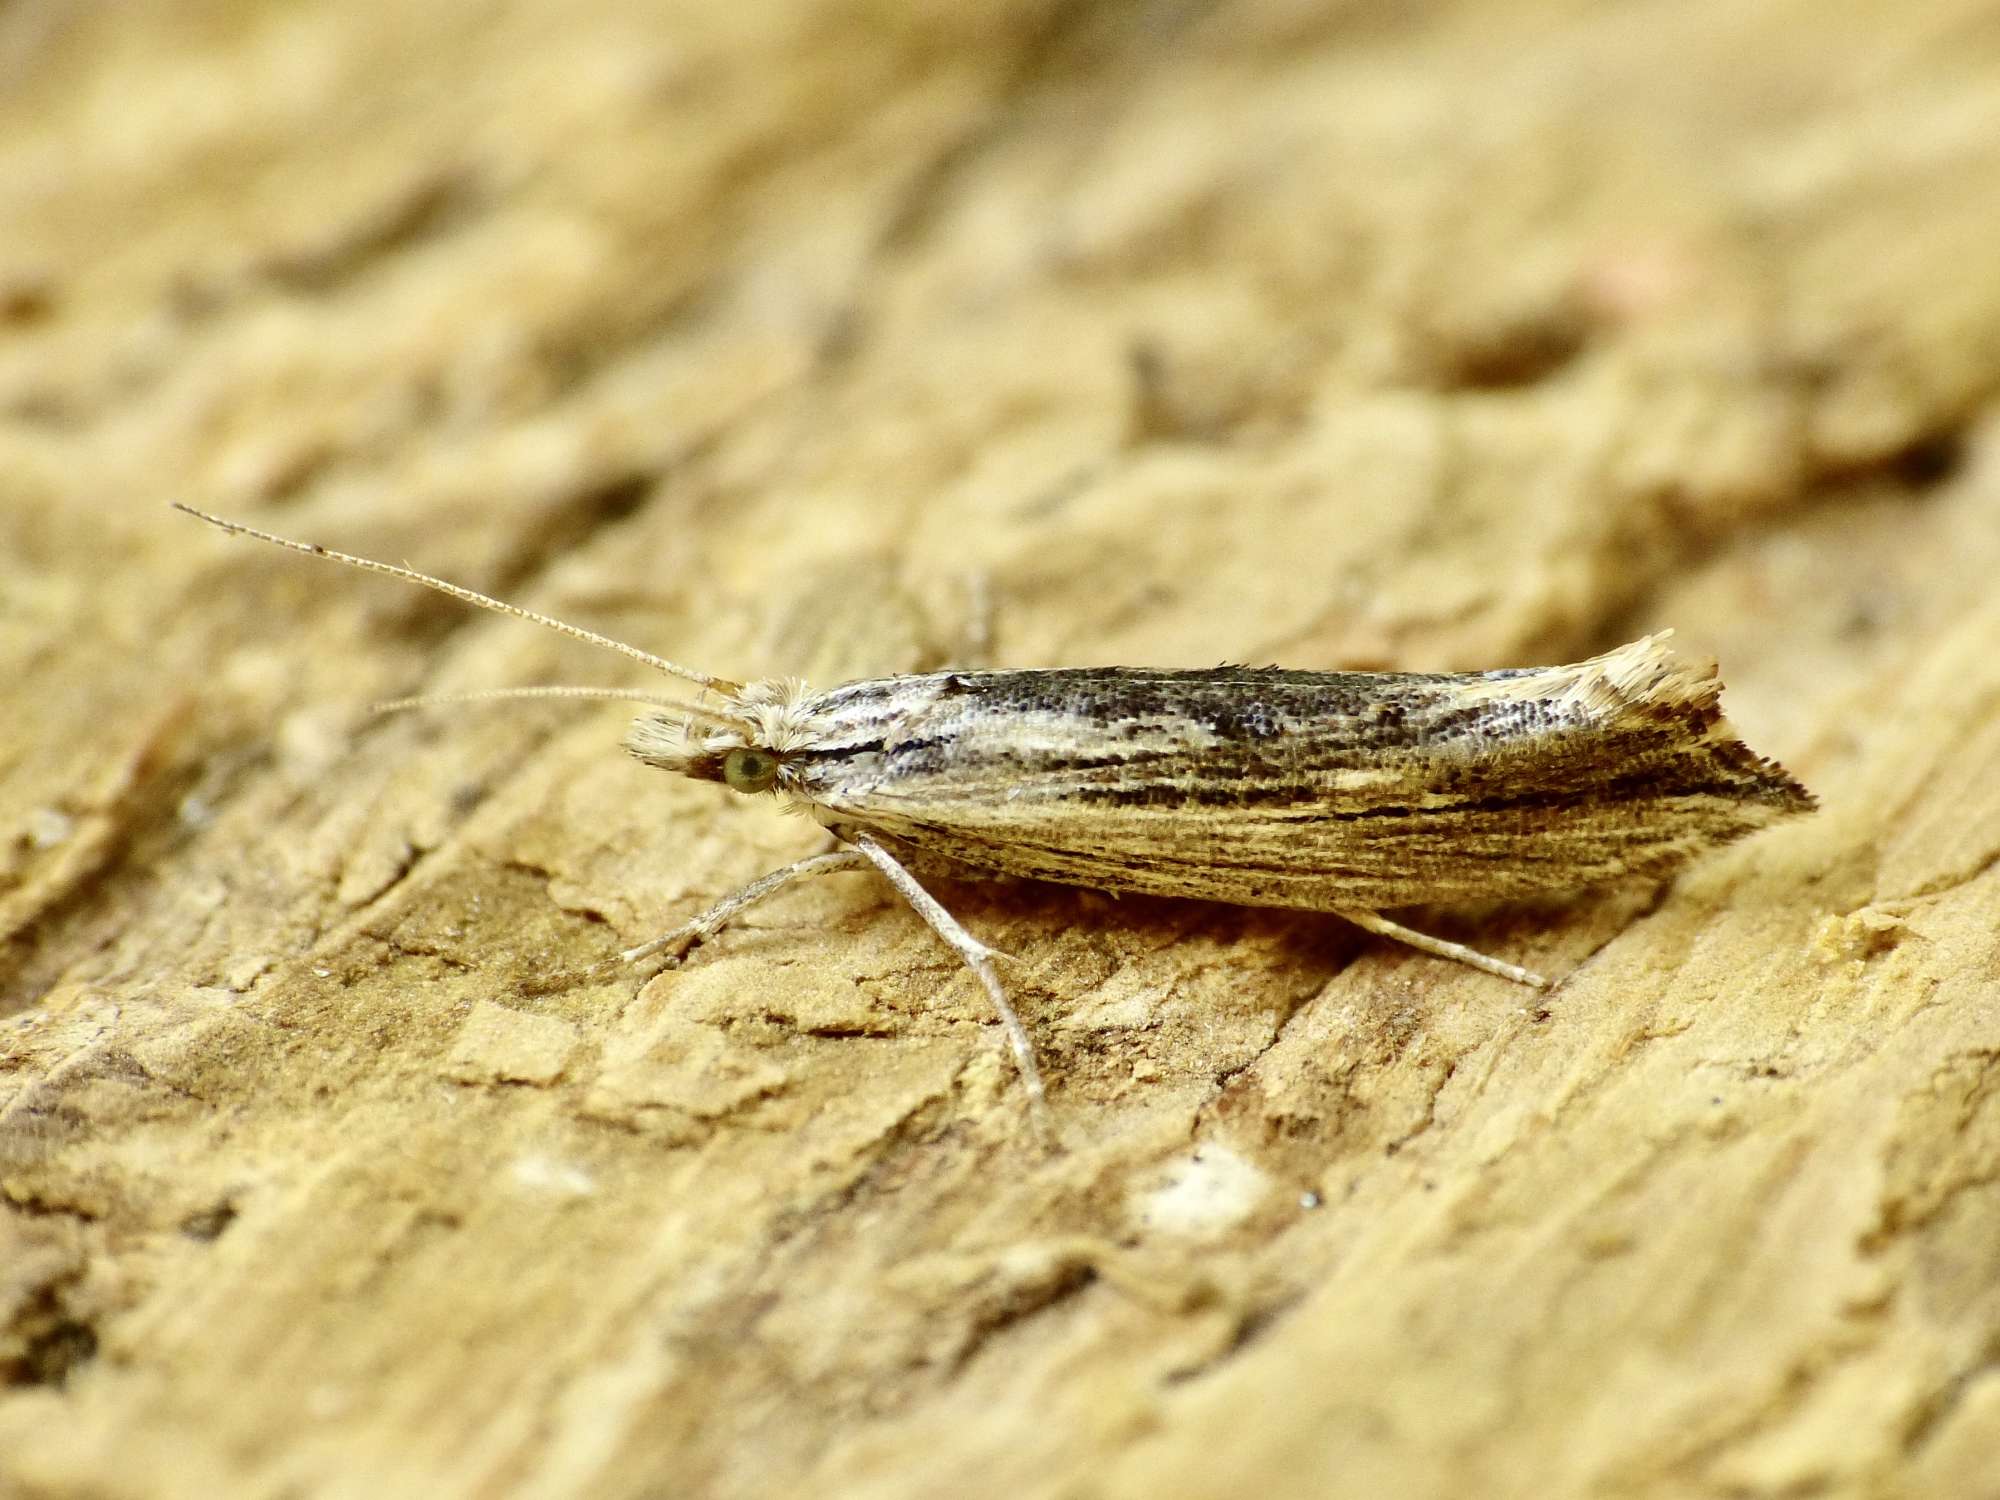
(469, 596)
(713, 716)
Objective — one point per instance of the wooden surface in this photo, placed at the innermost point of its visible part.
(766, 335)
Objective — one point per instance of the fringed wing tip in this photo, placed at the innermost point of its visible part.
(1790, 796)
(1646, 679)
(1646, 673)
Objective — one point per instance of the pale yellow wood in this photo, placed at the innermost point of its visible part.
(1385, 336)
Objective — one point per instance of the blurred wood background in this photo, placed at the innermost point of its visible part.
(762, 334)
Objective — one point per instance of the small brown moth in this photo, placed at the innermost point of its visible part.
(1340, 792)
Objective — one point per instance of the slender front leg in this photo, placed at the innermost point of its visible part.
(1377, 923)
(865, 852)
(717, 916)
(978, 957)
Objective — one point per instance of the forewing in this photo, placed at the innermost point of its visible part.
(1302, 789)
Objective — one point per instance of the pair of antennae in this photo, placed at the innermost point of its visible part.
(485, 601)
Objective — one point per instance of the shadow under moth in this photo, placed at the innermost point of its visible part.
(1339, 792)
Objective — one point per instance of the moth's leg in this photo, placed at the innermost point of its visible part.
(1377, 923)
(719, 915)
(978, 957)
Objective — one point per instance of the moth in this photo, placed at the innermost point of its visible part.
(1340, 792)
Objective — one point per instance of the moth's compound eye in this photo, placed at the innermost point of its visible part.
(748, 769)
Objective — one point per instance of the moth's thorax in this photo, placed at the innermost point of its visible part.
(853, 733)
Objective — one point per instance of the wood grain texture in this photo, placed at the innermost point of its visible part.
(768, 336)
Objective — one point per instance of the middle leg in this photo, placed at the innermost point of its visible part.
(978, 957)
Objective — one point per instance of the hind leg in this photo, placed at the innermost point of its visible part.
(1377, 923)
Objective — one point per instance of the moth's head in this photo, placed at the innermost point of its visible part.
(748, 740)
